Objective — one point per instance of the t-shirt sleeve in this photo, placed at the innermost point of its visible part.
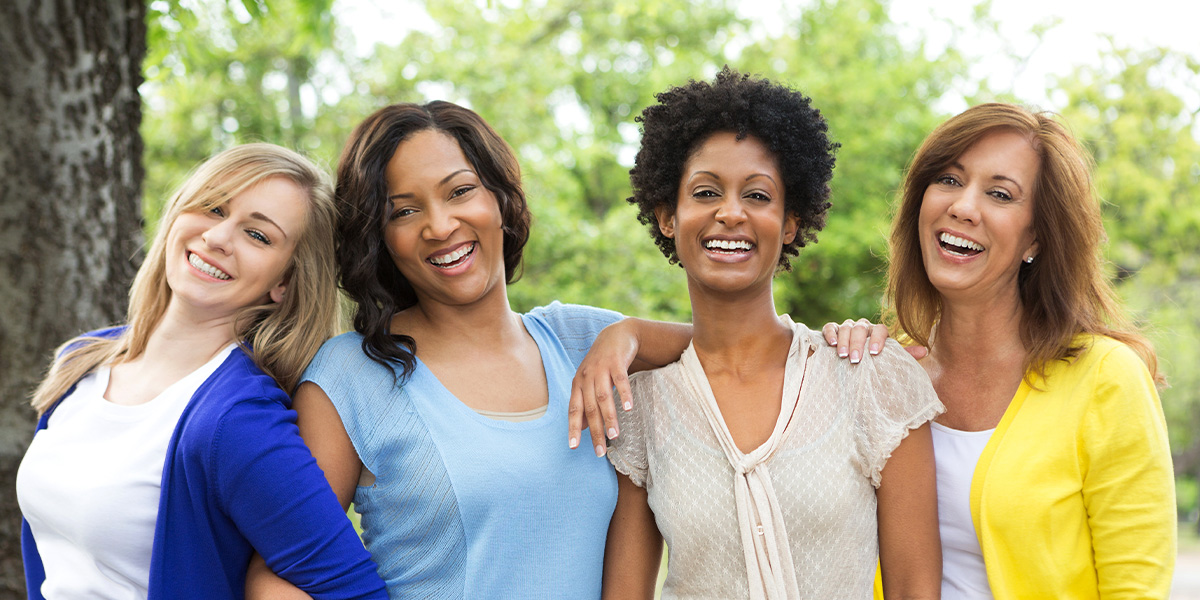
(365, 393)
(1128, 482)
(627, 452)
(575, 325)
(269, 484)
(894, 396)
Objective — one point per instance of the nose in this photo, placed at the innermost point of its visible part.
(219, 236)
(731, 212)
(440, 223)
(966, 206)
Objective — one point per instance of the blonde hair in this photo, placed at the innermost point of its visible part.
(281, 337)
(1064, 291)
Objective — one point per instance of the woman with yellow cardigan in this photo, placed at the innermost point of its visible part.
(1054, 472)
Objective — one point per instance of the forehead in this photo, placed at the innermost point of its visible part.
(425, 156)
(1005, 151)
(722, 151)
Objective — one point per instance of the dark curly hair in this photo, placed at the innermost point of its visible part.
(368, 274)
(783, 119)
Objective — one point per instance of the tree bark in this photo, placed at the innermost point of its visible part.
(70, 210)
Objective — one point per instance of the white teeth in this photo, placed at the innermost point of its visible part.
(960, 242)
(740, 245)
(206, 268)
(453, 257)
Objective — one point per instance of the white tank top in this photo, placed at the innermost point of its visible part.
(956, 453)
(90, 482)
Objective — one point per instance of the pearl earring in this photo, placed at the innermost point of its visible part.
(1028, 260)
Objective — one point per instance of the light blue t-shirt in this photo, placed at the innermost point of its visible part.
(464, 506)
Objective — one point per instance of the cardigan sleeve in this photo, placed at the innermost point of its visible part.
(1128, 485)
(269, 484)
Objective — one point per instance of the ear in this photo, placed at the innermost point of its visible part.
(791, 225)
(1031, 252)
(666, 219)
(277, 292)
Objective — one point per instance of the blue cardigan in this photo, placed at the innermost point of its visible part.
(239, 479)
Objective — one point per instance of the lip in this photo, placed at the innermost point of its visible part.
(937, 241)
(724, 257)
(210, 261)
(462, 266)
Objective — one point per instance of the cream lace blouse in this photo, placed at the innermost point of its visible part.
(795, 518)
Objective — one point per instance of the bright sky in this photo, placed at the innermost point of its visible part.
(1077, 38)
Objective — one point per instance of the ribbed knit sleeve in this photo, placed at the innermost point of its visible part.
(576, 326)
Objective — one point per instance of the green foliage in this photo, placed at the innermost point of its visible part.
(562, 81)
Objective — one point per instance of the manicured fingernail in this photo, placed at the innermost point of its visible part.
(832, 341)
(600, 450)
(573, 442)
(842, 352)
(874, 349)
(612, 432)
(628, 405)
(854, 357)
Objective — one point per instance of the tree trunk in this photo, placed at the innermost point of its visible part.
(70, 211)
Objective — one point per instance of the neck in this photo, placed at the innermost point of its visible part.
(187, 339)
(979, 333)
(477, 324)
(738, 331)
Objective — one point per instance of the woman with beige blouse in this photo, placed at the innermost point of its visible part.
(763, 483)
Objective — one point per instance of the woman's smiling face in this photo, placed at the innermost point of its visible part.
(976, 220)
(729, 224)
(445, 231)
(237, 254)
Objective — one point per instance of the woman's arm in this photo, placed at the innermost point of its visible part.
(910, 552)
(627, 346)
(323, 432)
(634, 547)
(1128, 484)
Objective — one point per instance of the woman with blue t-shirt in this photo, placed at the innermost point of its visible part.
(442, 415)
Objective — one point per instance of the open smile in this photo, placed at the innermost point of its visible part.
(453, 258)
(957, 246)
(208, 269)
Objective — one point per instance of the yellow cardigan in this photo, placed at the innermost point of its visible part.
(1074, 494)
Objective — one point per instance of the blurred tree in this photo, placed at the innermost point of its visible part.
(1143, 137)
(69, 220)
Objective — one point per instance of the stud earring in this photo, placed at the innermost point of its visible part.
(1028, 260)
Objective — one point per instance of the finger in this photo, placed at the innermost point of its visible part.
(626, 395)
(879, 335)
(608, 410)
(574, 416)
(917, 352)
(858, 340)
(830, 331)
(595, 423)
(843, 335)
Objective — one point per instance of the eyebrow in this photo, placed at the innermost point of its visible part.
(718, 177)
(442, 182)
(262, 217)
(996, 177)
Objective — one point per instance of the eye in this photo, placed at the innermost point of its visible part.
(705, 193)
(947, 180)
(760, 196)
(258, 236)
(216, 210)
(401, 212)
(1001, 194)
(461, 190)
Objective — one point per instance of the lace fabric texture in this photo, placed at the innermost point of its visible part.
(818, 471)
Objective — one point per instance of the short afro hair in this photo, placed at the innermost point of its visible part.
(782, 118)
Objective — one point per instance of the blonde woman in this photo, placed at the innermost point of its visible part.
(166, 452)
